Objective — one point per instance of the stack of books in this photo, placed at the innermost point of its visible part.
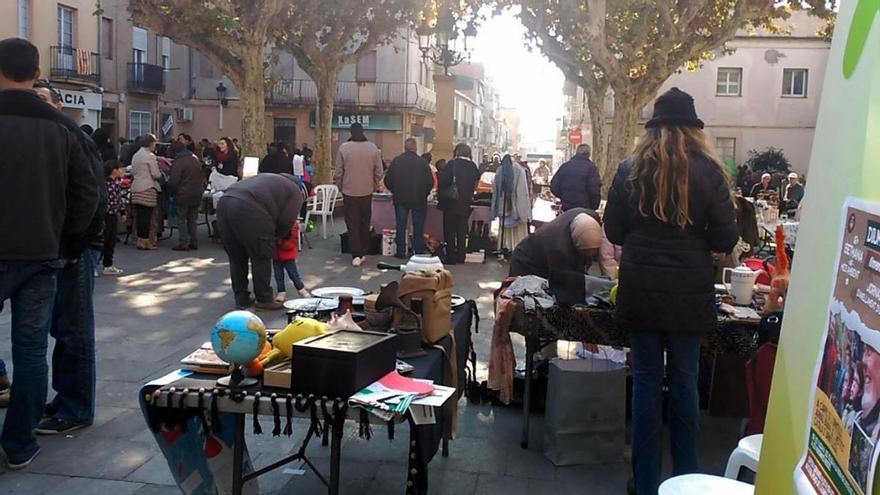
(205, 360)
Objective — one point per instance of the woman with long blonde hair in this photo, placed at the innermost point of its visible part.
(669, 207)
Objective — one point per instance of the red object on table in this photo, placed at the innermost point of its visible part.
(395, 381)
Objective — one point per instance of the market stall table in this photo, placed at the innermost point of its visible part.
(181, 400)
(383, 217)
(597, 326)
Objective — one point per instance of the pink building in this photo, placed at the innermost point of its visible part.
(766, 93)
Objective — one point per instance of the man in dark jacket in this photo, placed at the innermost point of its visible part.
(74, 374)
(563, 245)
(577, 182)
(54, 193)
(410, 180)
(251, 216)
(187, 183)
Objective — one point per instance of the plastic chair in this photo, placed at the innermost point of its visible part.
(702, 484)
(746, 455)
(323, 204)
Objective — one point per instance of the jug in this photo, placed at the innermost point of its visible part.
(742, 283)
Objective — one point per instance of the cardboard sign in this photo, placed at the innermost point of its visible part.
(842, 444)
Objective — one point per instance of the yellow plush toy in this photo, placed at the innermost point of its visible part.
(282, 343)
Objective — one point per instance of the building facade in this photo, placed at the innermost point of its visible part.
(764, 94)
(66, 35)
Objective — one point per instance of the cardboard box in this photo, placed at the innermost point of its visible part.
(278, 375)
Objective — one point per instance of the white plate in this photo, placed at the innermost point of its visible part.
(335, 292)
(311, 304)
(457, 300)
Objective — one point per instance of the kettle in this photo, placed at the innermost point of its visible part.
(417, 263)
(741, 283)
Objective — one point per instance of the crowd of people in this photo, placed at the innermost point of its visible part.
(668, 209)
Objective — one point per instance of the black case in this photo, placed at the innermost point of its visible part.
(340, 364)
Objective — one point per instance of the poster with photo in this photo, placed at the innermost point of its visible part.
(842, 444)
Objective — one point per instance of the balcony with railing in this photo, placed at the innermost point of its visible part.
(350, 93)
(69, 64)
(146, 78)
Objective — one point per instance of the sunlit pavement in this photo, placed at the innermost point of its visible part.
(163, 307)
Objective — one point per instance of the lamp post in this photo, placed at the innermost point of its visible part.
(438, 44)
(221, 97)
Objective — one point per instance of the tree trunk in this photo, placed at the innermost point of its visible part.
(252, 91)
(325, 83)
(596, 92)
(623, 131)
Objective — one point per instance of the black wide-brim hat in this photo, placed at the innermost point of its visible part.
(675, 107)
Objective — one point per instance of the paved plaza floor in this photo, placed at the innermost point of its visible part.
(163, 308)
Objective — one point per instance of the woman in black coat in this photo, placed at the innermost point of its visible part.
(670, 207)
(456, 213)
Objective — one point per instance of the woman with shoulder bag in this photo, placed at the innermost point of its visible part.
(145, 189)
(670, 207)
(455, 192)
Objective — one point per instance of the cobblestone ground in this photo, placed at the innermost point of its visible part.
(163, 308)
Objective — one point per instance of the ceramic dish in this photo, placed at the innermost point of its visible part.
(457, 300)
(311, 304)
(335, 292)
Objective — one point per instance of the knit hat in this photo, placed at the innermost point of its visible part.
(674, 107)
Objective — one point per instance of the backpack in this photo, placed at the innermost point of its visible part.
(434, 290)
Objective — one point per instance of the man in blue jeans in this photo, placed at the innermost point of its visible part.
(55, 191)
(410, 180)
(73, 319)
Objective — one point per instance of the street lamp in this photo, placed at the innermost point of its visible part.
(445, 33)
(221, 94)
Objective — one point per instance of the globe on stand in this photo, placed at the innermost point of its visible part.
(238, 338)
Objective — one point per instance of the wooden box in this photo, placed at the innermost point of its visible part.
(341, 363)
(277, 375)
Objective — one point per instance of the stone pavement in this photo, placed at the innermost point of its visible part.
(163, 308)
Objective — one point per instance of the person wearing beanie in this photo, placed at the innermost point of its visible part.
(669, 211)
(564, 245)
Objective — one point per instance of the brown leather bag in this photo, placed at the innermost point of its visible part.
(434, 289)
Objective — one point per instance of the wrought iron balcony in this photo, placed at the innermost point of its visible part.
(146, 78)
(350, 93)
(71, 64)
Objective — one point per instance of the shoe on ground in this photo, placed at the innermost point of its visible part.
(268, 306)
(358, 261)
(57, 426)
(244, 305)
(281, 297)
(304, 292)
(15, 465)
(193, 247)
(5, 382)
(112, 270)
(5, 394)
(180, 247)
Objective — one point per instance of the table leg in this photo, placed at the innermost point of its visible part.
(335, 456)
(238, 456)
(527, 391)
(445, 451)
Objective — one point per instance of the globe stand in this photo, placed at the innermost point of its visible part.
(236, 379)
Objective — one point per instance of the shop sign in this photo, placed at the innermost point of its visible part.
(80, 99)
(370, 121)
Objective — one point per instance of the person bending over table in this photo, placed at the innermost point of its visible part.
(251, 216)
(669, 209)
(565, 244)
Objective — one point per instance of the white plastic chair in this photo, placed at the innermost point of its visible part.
(746, 455)
(323, 204)
(703, 484)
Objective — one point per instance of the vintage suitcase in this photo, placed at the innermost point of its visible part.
(340, 364)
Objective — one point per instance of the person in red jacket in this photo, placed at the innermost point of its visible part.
(286, 252)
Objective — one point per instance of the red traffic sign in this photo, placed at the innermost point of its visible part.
(575, 136)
